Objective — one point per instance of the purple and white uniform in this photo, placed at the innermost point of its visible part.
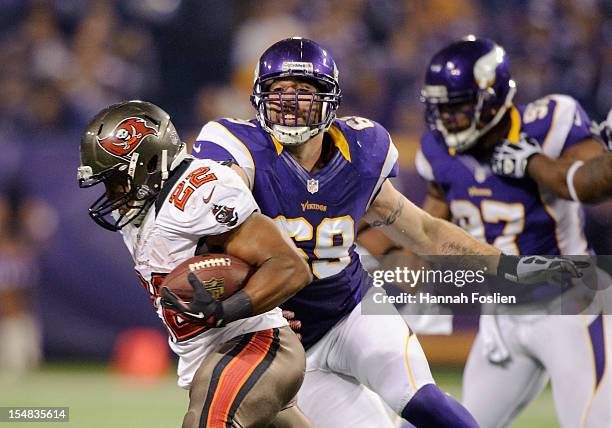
(320, 212)
(514, 215)
(514, 356)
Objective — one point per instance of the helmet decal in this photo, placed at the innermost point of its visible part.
(484, 69)
(297, 66)
(126, 136)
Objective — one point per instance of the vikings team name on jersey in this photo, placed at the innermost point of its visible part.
(514, 215)
(310, 206)
(319, 211)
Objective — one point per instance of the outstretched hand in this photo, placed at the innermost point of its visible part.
(535, 269)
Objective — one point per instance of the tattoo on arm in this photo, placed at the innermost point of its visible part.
(456, 249)
(391, 218)
(463, 256)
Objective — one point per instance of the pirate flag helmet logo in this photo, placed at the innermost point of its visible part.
(127, 136)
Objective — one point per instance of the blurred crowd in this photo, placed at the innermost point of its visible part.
(64, 60)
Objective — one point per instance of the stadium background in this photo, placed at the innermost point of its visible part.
(64, 60)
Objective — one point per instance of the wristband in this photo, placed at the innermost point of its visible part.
(569, 179)
(237, 306)
(507, 267)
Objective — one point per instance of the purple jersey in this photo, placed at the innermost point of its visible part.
(320, 210)
(514, 215)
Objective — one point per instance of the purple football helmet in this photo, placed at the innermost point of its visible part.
(470, 80)
(278, 113)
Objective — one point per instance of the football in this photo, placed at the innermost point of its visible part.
(221, 274)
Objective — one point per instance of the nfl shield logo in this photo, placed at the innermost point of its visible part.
(312, 185)
(215, 286)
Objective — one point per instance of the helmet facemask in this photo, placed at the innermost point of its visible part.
(463, 118)
(124, 201)
(295, 117)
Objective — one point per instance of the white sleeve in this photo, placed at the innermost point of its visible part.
(423, 166)
(211, 209)
(216, 133)
(564, 113)
(388, 170)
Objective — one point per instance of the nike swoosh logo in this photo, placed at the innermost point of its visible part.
(197, 148)
(199, 315)
(207, 200)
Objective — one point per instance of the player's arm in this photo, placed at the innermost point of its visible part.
(280, 269)
(375, 241)
(591, 180)
(552, 173)
(389, 252)
(223, 210)
(378, 244)
(557, 175)
(280, 272)
(581, 144)
(422, 233)
(426, 235)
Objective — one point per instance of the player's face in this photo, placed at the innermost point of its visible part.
(295, 104)
(117, 187)
(456, 117)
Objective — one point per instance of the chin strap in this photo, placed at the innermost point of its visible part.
(164, 165)
(133, 163)
(293, 135)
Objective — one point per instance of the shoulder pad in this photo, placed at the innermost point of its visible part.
(369, 144)
(204, 190)
(242, 141)
(555, 121)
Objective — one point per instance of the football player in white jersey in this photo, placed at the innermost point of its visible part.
(239, 359)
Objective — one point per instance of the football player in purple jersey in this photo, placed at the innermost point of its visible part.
(570, 179)
(317, 176)
(468, 95)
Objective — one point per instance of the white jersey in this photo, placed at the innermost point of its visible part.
(201, 198)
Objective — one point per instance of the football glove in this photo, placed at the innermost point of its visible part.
(203, 308)
(535, 269)
(510, 159)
